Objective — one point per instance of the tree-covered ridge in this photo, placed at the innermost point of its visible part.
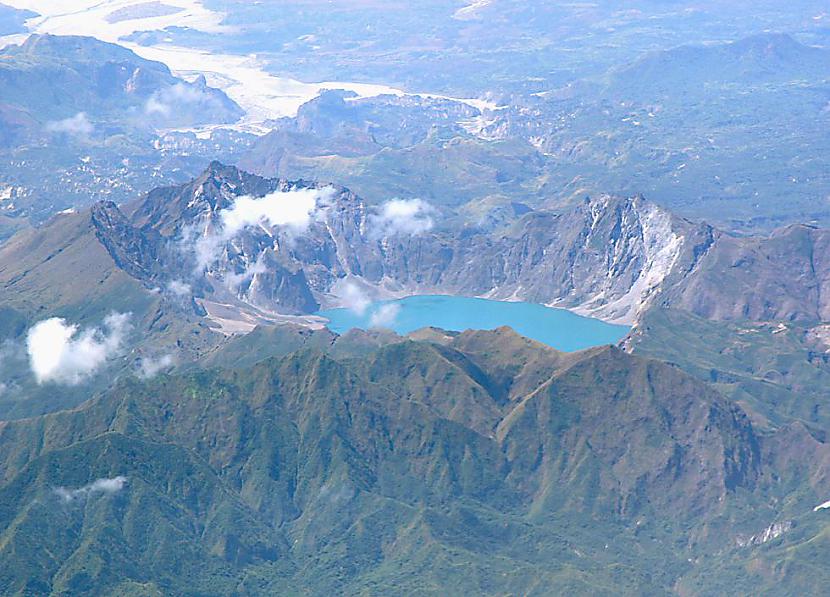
(477, 462)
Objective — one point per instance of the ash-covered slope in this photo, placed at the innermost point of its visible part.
(508, 467)
(781, 277)
(608, 256)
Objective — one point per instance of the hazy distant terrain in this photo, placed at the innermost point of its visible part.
(654, 98)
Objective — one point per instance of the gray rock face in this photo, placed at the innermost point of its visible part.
(785, 276)
(609, 257)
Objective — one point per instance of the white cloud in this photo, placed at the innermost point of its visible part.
(403, 216)
(60, 353)
(385, 316)
(167, 101)
(154, 106)
(179, 288)
(354, 298)
(78, 125)
(292, 210)
(234, 281)
(109, 486)
(149, 367)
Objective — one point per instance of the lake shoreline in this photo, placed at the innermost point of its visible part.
(559, 328)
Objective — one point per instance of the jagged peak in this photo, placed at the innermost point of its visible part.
(638, 200)
(217, 168)
(106, 213)
(603, 206)
(214, 189)
(219, 174)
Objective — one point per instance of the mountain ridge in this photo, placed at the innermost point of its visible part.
(608, 257)
(182, 411)
(282, 462)
(100, 80)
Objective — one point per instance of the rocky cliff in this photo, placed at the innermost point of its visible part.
(288, 247)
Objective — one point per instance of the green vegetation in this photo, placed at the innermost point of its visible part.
(777, 372)
(478, 462)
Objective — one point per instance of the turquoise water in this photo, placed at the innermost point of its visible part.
(555, 327)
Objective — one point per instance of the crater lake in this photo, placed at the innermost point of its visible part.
(558, 328)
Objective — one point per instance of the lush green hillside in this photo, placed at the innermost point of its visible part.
(62, 270)
(479, 462)
(778, 372)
